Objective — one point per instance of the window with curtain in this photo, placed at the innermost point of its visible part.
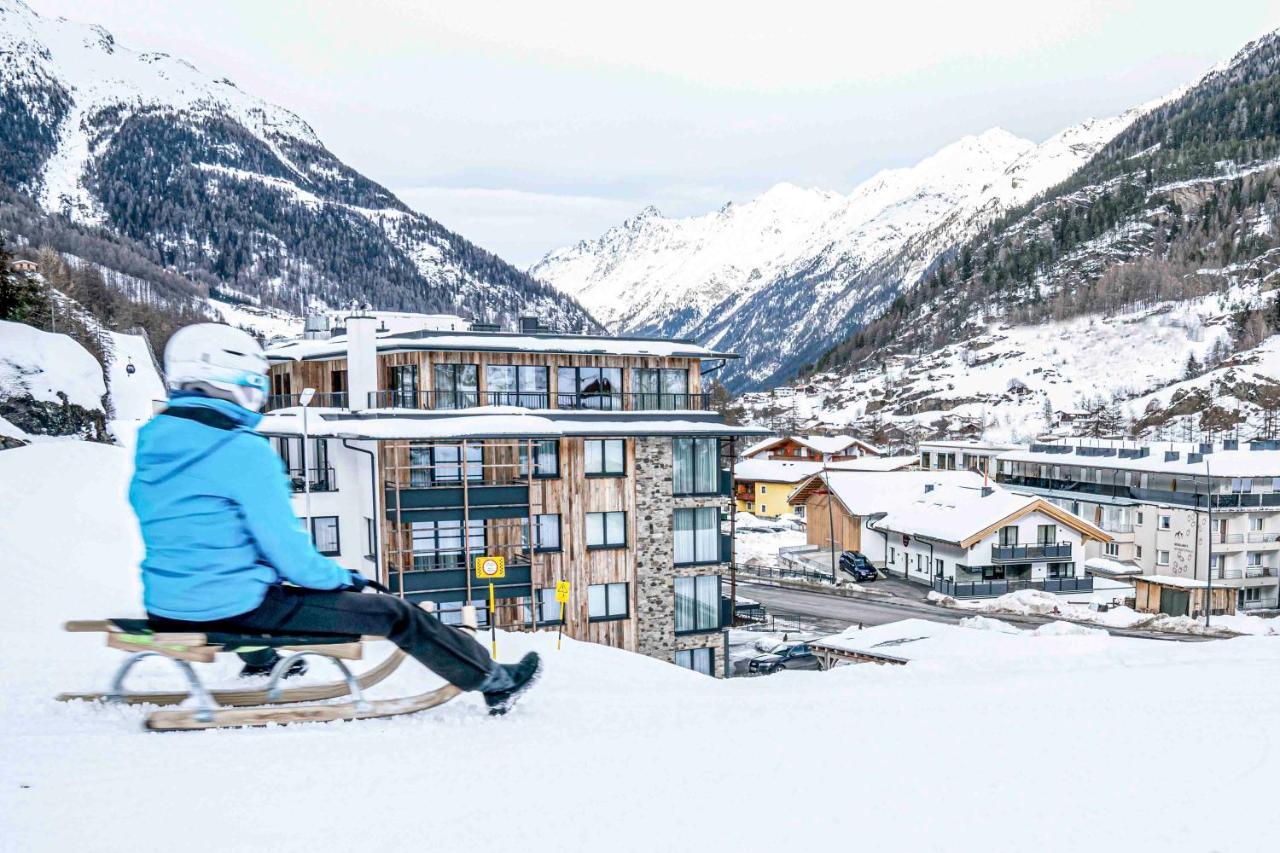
(697, 535)
(697, 604)
(512, 385)
(546, 459)
(607, 601)
(1008, 535)
(605, 457)
(324, 532)
(455, 386)
(698, 660)
(546, 532)
(404, 386)
(548, 609)
(606, 530)
(660, 388)
(695, 466)
(1046, 534)
(437, 545)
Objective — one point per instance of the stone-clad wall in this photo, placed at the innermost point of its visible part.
(655, 554)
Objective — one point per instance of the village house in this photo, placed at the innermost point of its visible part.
(977, 541)
(841, 506)
(1171, 508)
(816, 448)
(761, 486)
(592, 460)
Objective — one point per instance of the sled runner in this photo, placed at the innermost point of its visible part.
(269, 705)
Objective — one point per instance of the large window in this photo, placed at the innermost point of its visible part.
(548, 608)
(442, 465)
(697, 535)
(455, 386)
(546, 459)
(438, 545)
(511, 385)
(698, 660)
(606, 457)
(404, 386)
(660, 388)
(606, 530)
(607, 601)
(546, 533)
(1009, 535)
(697, 604)
(589, 388)
(324, 532)
(1046, 534)
(696, 469)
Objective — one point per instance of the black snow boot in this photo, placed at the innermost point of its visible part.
(252, 670)
(523, 674)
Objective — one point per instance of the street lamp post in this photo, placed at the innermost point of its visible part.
(1208, 502)
(831, 523)
(305, 400)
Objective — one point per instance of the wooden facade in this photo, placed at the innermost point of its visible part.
(1151, 595)
(819, 524)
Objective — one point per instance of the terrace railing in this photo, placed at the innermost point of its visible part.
(1023, 553)
(337, 400)
(608, 402)
(994, 588)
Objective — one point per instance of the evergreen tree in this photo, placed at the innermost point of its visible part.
(22, 298)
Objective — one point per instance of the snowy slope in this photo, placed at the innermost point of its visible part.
(777, 276)
(48, 367)
(614, 751)
(217, 181)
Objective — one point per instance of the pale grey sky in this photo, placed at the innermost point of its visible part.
(526, 126)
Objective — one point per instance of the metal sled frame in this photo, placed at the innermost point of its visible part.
(271, 705)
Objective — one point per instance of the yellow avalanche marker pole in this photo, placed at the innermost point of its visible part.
(562, 596)
(493, 625)
(491, 569)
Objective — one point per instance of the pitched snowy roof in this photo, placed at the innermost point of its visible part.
(774, 470)
(827, 444)
(336, 347)
(493, 422)
(962, 514)
(874, 463)
(867, 492)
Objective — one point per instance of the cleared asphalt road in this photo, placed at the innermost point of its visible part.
(836, 612)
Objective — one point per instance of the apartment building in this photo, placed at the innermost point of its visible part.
(1172, 509)
(592, 460)
(961, 455)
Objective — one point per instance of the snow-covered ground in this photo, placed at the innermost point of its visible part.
(617, 752)
(134, 396)
(44, 365)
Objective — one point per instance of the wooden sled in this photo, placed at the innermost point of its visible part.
(269, 705)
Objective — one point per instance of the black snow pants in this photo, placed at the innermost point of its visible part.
(449, 652)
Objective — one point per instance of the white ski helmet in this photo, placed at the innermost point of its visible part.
(217, 361)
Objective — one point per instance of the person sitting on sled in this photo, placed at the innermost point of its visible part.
(224, 550)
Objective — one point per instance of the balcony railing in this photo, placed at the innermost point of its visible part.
(1261, 536)
(608, 402)
(1228, 539)
(1246, 572)
(1193, 500)
(324, 401)
(1022, 553)
(994, 588)
(321, 479)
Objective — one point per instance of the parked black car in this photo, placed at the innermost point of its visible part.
(856, 564)
(795, 656)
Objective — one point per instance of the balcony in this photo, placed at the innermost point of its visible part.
(319, 480)
(319, 401)
(1244, 573)
(1257, 536)
(606, 402)
(1028, 553)
(995, 588)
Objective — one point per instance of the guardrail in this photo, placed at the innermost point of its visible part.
(321, 479)
(1042, 551)
(1246, 572)
(318, 401)
(605, 401)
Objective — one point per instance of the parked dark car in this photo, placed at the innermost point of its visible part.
(794, 656)
(856, 564)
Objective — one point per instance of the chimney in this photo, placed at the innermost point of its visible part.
(362, 360)
(316, 327)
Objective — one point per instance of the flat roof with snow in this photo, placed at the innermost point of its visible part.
(494, 422)
(336, 347)
(1220, 463)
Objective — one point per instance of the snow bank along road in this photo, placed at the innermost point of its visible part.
(836, 612)
(1053, 743)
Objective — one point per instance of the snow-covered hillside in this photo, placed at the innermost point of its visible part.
(225, 186)
(614, 751)
(780, 278)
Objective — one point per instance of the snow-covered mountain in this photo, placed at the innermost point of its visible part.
(782, 277)
(225, 187)
(1139, 296)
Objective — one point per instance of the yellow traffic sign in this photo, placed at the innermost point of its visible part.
(562, 592)
(491, 568)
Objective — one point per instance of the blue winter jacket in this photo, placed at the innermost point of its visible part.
(216, 518)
